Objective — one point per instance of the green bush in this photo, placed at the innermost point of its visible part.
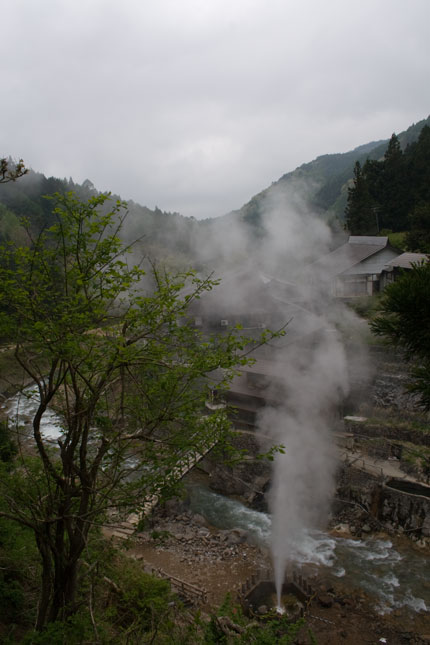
(18, 573)
(365, 306)
(74, 631)
(12, 599)
(273, 629)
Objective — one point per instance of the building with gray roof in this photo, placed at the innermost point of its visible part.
(354, 269)
(397, 265)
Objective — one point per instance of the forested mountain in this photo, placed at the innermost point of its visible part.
(26, 199)
(321, 186)
(165, 236)
(394, 193)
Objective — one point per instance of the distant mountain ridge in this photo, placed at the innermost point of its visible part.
(319, 186)
(323, 182)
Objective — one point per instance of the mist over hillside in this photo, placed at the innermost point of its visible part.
(299, 216)
(322, 183)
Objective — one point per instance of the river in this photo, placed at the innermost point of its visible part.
(21, 408)
(395, 574)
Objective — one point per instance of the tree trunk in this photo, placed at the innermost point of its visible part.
(60, 565)
(64, 592)
(46, 589)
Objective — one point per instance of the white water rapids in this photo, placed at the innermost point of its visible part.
(395, 576)
(21, 408)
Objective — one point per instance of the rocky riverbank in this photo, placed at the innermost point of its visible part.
(183, 545)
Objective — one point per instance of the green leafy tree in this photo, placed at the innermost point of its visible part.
(10, 227)
(126, 373)
(404, 321)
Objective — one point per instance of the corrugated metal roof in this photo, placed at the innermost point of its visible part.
(405, 260)
(346, 256)
(368, 239)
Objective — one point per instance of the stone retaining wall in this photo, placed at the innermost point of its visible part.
(394, 510)
(394, 432)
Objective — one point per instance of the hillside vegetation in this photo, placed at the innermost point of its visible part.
(320, 186)
(394, 193)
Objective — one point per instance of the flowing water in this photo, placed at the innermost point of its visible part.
(21, 408)
(396, 576)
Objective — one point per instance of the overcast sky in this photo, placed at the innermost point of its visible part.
(196, 105)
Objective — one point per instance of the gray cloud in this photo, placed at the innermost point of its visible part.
(197, 106)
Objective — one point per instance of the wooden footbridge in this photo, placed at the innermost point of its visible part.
(183, 467)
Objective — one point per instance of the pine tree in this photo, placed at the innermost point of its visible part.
(419, 167)
(418, 238)
(360, 210)
(394, 191)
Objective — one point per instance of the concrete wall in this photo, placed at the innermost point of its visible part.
(393, 509)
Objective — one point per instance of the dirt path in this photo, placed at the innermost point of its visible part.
(219, 562)
(375, 466)
(214, 561)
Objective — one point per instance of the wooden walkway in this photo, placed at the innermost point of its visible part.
(185, 590)
(182, 468)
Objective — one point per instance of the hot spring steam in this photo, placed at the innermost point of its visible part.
(302, 484)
